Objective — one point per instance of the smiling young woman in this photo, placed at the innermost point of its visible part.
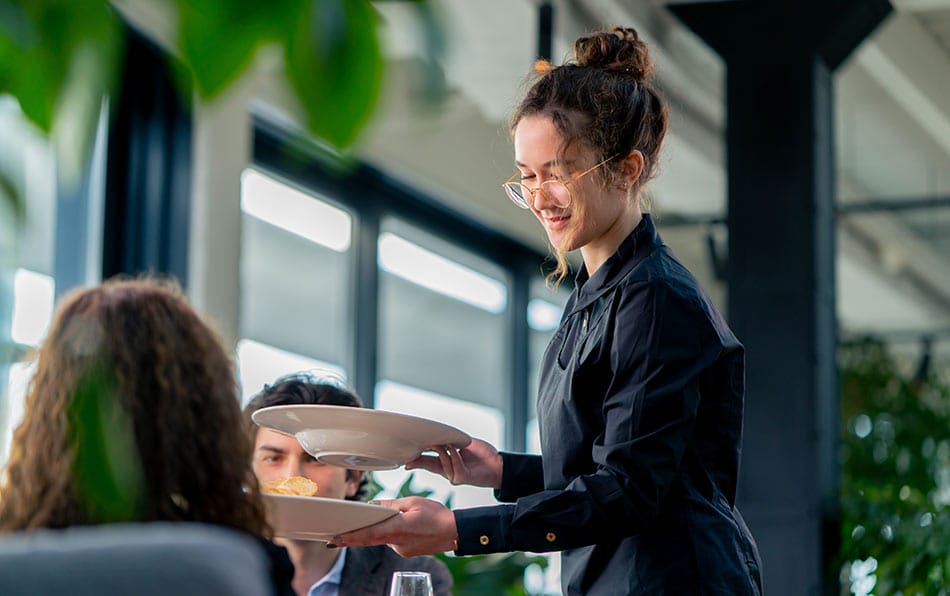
(641, 388)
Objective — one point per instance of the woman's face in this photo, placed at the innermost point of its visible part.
(592, 220)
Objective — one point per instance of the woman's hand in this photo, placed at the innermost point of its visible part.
(478, 464)
(422, 527)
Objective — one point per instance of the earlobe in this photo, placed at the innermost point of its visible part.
(353, 478)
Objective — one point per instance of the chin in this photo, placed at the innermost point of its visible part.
(562, 242)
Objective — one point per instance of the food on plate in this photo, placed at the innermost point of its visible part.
(295, 485)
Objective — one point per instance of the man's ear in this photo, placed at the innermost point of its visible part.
(353, 478)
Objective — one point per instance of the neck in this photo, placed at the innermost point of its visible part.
(312, 560)
(596, 253)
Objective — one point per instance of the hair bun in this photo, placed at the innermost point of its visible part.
(543, 67)
(620, 50)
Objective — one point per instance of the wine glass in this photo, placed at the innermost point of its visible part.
(411, 583)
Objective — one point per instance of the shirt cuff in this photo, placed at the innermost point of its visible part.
(483, 530)
(521, 474)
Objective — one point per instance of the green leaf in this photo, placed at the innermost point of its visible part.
(500, 573)
(10, 196)
(334, 64)
(406, 490)
(23, 46)
(218, 38)
(38, 43)
(373, 487)
(106, 468)
(893, 468)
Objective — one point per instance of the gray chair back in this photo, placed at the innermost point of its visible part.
(148, 559)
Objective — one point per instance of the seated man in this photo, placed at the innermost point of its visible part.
(320, 570)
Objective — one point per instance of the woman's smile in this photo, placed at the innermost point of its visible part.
(555, 223)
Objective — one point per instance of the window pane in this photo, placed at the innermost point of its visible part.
(20, 375)
(295, 276)
(260, 364)
(27, 247)
(32, 307)
(442, 317)
(477, 420)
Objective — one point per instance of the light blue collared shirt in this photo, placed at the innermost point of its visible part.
(329, 584)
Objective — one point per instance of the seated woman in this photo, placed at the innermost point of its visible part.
(133, 416)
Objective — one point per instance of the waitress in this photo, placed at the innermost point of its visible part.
(641, 390)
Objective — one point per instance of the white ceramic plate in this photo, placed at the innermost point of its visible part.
(359, 438)
(317, 518)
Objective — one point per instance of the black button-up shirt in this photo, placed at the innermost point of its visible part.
(640, 411)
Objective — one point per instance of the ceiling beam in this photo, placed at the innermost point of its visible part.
(893, 204)
(920, 87)
(920, 5)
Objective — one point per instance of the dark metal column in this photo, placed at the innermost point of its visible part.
(781, 305)
(780, 58)
(365, 309)
(148, 180)
(516, 416)
(545, 30)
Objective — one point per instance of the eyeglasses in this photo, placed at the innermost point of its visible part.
(557, 191)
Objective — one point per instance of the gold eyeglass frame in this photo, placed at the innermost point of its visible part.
(510, 192)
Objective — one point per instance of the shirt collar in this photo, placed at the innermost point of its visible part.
(330, 581)
(642, 241)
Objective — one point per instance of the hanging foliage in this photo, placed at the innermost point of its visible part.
(895, 475)
(59, 58)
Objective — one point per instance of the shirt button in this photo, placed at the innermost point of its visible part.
(550, 537)
(484, 540)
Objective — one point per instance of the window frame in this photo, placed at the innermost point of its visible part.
(371, 194)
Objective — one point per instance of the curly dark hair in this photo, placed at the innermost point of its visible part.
(603, 100)
(132, 415)
(305, 389)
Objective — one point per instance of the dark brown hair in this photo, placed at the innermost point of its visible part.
(604, 100)
(132, 415)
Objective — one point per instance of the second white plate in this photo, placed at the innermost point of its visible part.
(360, 438)
(316, 518)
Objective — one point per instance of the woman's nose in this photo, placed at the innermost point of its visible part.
(540, 199)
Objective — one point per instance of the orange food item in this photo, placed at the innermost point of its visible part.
(295, 485)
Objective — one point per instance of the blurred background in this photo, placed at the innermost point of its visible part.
(324, 180)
